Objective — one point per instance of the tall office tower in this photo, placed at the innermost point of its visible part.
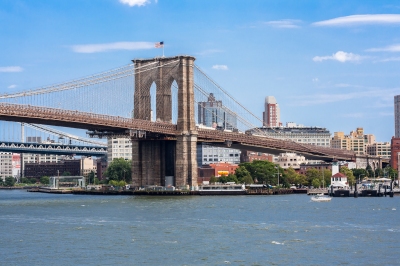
(214, 114)
(397, 116)
(272, 114)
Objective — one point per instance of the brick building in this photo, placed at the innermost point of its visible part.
(394, 151)
(37, 170)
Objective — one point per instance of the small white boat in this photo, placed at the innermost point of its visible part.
(321, 198)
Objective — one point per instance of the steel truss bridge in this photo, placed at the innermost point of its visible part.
(52, 148)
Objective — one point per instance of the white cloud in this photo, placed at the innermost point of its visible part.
(390, 48)
(360, 20)
(315, 80)
(383, 97)
(353, 115)
(339, 56)
(104, 47)
(13, 86)
(135, 2)
(284, 23)
(390, 59)
(386, 113)
(11, 69)
(220, 67)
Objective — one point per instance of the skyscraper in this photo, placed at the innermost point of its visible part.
(214, 114)
(397, 116)
(271, 114)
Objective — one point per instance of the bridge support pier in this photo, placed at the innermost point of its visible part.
(152, 160)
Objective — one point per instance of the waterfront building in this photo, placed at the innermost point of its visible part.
(37, 170)
(307, 135)
(319, 166)
(75, 167)
(356, 141)
(207, 154)
(249, 156)
(16, 165)
(272, 113)
(101, 167)
(288, 159)
(214, 114)
(88, 165)
(223, 168)
(119, 148)
(395, 153)
(5, 165)
(339, 181)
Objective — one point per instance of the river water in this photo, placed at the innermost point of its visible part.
(50, 229)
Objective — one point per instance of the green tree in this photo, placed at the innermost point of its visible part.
(359, 173)
(121, 183)
(301, 180)
(291, 175)
(327, 174)
(228, 178)
(119, 169)
(262, 171)
(1, 182)
(91, 177)
(45, 180)
(96, 181)
(66, 173)
(369, 171)
(378, 172)
(312, 174)
(316, 183)
(213, 180)
(9, 181)
(350, 177)
(26, 180)
(390, 172)
(243, 175)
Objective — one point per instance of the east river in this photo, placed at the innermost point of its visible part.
(50, 229)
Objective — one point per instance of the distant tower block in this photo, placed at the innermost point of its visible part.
(271, 114)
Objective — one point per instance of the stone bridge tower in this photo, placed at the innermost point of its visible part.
(153, 160)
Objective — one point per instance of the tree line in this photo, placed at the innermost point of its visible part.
(265, 172)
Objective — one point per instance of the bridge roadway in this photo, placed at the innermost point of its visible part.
(120, 125)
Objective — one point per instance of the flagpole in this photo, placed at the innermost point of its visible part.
(163, 51)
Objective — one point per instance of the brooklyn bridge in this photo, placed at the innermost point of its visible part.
(156, 103)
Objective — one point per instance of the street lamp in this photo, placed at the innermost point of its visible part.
(277, 167)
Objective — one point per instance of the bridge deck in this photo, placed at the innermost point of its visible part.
(91, 121)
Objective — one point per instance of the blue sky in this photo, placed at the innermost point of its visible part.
(333, 64)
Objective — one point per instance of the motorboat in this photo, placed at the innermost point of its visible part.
(321, 198)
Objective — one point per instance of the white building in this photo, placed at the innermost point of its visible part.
(307, 135)
(207, 154)
(287, 160)
(87, 166)
(119, 148)
(5, 165)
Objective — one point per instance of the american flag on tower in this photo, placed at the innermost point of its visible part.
(159, 44)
